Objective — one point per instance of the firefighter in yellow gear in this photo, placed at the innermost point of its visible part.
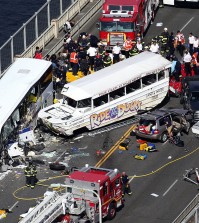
(134, 51)
(107, 60)
(30, 173)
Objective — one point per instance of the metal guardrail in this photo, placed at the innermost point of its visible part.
(55, 27)
(187, 211)
(31, 30)
(79, 25)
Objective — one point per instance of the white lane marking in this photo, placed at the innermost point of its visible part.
(187, 23)
(155, 195)
(132, 178)
(10, 209)
(170, 187)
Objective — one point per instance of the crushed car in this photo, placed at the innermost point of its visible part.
(152, 125)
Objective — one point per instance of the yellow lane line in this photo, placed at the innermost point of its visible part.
(165, 165)
(115, 146)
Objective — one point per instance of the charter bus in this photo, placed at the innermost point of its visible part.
(109, 95)
(25, 88)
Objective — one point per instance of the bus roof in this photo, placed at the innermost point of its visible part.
(115, 76)
(17, 81)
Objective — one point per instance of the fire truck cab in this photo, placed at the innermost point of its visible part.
(122, 19)
(105, 182)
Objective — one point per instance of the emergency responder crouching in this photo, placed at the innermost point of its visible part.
(125, 184)
(30, 173)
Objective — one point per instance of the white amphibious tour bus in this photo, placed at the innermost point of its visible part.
(109, 95)
(25, 88)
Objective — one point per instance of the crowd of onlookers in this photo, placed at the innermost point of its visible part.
(87, 53)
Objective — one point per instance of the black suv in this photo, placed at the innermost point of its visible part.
(190, 95)
(152, 125)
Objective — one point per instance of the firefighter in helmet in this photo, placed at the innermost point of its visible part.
(125, 184)
(134, 51)
(107, 60)
(30, 173)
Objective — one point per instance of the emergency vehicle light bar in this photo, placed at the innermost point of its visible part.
(118, 15)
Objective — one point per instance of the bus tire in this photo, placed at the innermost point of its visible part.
(111, 211)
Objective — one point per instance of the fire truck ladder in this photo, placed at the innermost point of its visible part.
(46, 211)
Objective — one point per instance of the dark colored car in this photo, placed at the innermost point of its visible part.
(190, 95)
(152, 125)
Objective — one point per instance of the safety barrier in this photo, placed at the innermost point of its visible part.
(189, 213)
(33, 31)
(57, 25)
(79, 25)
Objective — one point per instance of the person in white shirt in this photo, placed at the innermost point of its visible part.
(195, 44)
(187, 58)
(116, 53)
(154, 48)
(191, 41)
(91, 53)
(139, 45)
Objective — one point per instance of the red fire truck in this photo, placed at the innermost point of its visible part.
(91, 194)
(126, 18)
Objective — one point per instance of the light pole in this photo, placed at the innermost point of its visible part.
(84, 189)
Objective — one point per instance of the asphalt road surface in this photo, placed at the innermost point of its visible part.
(159, 191)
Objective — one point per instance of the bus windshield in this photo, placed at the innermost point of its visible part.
(77, 104)
(117, 26)
(70, 102)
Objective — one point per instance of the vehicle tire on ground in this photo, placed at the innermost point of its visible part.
(111, 211)
(164, 137)
(187, 128)
(56, 166)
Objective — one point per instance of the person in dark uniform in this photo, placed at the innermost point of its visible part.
(125, 184)
(98, 62)
(30, 174)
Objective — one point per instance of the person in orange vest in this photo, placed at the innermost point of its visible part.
(128, 44)
(195, 63)
(74, 62)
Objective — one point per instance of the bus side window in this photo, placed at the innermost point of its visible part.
(161, 75)
(133, 86)
(117, 93)
(46, 79)
(100, 100)
(149, 79)
(16, 118)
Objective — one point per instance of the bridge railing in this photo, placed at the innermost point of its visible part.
(55, 27)
(189, 211)
(34, 29)
(78, 26)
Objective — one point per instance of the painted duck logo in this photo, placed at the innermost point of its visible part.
(114, 113)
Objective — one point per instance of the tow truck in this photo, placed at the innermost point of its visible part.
(91, 194)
